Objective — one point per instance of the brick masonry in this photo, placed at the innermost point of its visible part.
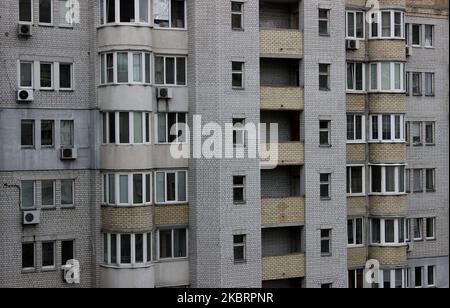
(279, 211)
(389, 256)
(387, 152)
(282, 98)
(283, 267)
(388, 205)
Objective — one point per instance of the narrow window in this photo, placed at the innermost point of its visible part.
(48, 193)
(45, 11)
(418, 181)
(418, 229)
(324, 77)
(324, 133)
(325, 186)
(26, 74)
(238, 75)
(417, 84)
(67, 193)
(239, 189)
(325, 242)
(27, 134)
(239, 248)
(28, 197)
(67, 133)
(324, 21)
(429, 84)
(416, 35)
(430, 180)
(429, 35)
(25, 10)
(28, 256)
(48, 254)
(65, 76)
(47, 133)
(431, 229)
(67, 251)
(125, 248)
(418, 277)
(46, 80)
(237, 15)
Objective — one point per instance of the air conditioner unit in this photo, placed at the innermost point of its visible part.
(68, 153)
(31, 217)
(25, 29)
(408, 51)
(164, 93)
(25, 95)
(352, 44)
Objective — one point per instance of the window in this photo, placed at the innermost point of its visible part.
(407, 34)
(416, 35)
(27, 133)
(239, 189)
(387, 179)
(65, 76)
(239, 132)
(408, 230)
(326, 286)
(408, 180)
(67, 251)
(325, 242)
(429, 35)
(28, 197)
(127, 249)
(130, 11)
(48, 254)
(171, 186)
(132, 127)
(65, 17)
(48, 193)
(67, 193)
(46, 73)
(387, 128)
(125, 67)
(355, 231)
(416, 133)
(355, 180)
(387, 25)
(239, 248)
(429, 133)
(172, 243)
(237, 75)
(430, 178)
(417, 84)
(324, 22)
(355, 24)
(169, 13)
(171, 128)
(45, 11)
(325, 186)
(356, 279)
(130, 189)
(28, 256)
(387, 77)
(67, 133)
(418, 277)
(170, 70)
(431, 276)
(387, 231)
(418, 229)
(237, 15)
(324, 77)
(431, 228)
(47, 133)
(393, 278)
(429, 84)
(418, 180)
(26, 11)
(407, 83)
(26, 74)
(355, 76)
(324, 133)
(355, 128)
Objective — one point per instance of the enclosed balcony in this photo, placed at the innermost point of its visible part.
(280, 34)
(281, 87)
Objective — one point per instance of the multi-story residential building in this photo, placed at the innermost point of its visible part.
(94, 94)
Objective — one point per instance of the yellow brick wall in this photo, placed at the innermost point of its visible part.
(359, 54)
(356, 206)
(282, 210)
(127, 219)
(357, 257)
(387, 152)
(389, 255)
(172, 214)
(427, 8)
(282, 98)
(387, 103)
(289, 153)
(356, 152)
(387, 50)
(356, 102)
(388, 205)
(281, 42)
(283, 267)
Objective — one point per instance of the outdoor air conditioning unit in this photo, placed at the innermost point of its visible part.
(408, 51)
(164, 93)
(25, 29)
(68, 153)
(31, 217)
(25, 95)
(352, 44)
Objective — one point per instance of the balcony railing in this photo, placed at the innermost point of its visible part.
(281, 43)
(282, 98)
(289, 154)
(283, 267)
(282, 211)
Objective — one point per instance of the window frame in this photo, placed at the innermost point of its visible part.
(355, 13)
(34, 257)
(383, 234)
(433, 221)
(433, 87)
(238, 13)
(53, 205)
(431, 269)
(363, 184)
(31, 21)
(380, 130)
(354, 124)
(325, 130)
(379, 24)
(19, 79)
(107, 237)
(325, 183)
(71, 88)
(356, 273)
(51, 14)
(106, 131)
(354, 81)
(158, 246)
(104, 14)
(240, 72)
(432, 36)
(379, 82)
(176, 201)
(326, 20)
(107, 185)
(416, 281)
(52, 145)
(392, 277)
(242, 186)
(383, 181)
(418, 226)
(355, 243)
(433, 179)
(419, 35)
(73, 249)
(114, 70)
(175, 71)
(168, 129)
(52, 76)
(327, 238)
(33, 137)
(33, 197)
(419, 86)
(72, 181)
(53, 266)
(171, 27)
(326, 74)
(242, 245)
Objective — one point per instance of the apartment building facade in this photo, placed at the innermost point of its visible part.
(95, 93)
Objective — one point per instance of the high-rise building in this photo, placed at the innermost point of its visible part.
(94, 95)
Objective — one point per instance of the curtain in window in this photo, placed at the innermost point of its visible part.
(66, 131)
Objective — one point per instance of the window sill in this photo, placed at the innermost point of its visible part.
(27, 148)
(169, 260)
(356, 195)
(388, 245)
(28, 270)
(48, 208)
(361, 92)
(170, 29)
(49, 269)
(137, 266)
(356, 141)
(431, 190)
(68, 27)
(240, 203)
(326, 255)
(126, 206)
(238, 88)
(326, 146)
(67, 207)
(325, 199)
(237, 262)
(45, 25)
(118, 24)
(324, 34)
(325, 89)
(66, 90)
(46, 90)
(418, 240)
(237, 29)
(355, 246)
(431, 239)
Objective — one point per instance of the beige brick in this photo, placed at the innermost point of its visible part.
(388, 205)
(282, 210)
(289, 153)
(387, 50)
(387, 152)
(357, 257)
(356, 152)
(356, 206)
(390, 256)
(427, 8)
(282, 98)
(283, 267)
(281, 42)
(172, 214)
(387, 102)
(127, 219)
(356, 102)
(360, 54)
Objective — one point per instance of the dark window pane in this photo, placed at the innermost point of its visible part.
(110, 11)
(112, 127)
(27, 133)
(180, 243)
(45, 11)
(178, 19)
(376, 179)
(171, 187)
(124, 125)
(67, 251)
(139, 248)
(28, 255)
(46, 133)
(25, 10)
(67, 192)
(48, 193)
(48, 254)
(170, 70)
(65, 76)
(181, 71)
(389, 231)
(127, 11)
(125, 249)
(113, 248)
(137, 189)
(376, 231)
(165, 244)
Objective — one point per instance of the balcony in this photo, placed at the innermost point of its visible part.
(389, 256)
(289, 154)
(282, 211)
(283, 267)
(282, 98)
